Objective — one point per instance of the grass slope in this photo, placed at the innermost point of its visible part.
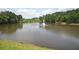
(12, 45)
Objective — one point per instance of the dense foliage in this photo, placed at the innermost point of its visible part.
(71, 16)
(33, 20)
(9, 17)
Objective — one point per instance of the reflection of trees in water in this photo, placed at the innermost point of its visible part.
(41, 25)
(10, 28)
(71, 30)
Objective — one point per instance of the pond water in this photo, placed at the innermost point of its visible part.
(60, 37)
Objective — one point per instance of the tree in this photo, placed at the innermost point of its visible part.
(71, 16)
(9, 17)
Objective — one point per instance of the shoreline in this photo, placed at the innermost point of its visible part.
(64, 24)
(74, 24)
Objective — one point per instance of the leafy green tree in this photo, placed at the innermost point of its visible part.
(9, 17)
(71, 16)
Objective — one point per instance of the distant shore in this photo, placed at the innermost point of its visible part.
(63, 23)
(74, 24)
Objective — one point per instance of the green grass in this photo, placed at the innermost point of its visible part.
(12, 45)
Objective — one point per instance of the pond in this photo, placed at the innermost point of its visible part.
(62, 37)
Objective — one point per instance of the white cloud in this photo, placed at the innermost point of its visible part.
(64, 9)
(28, 13)
(47, 11)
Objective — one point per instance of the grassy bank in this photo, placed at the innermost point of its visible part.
(12, 45)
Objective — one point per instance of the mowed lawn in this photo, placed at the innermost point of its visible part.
(12, 45)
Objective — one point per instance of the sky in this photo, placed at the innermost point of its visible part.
(34, 12)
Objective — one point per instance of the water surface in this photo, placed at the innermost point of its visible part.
(51, 36)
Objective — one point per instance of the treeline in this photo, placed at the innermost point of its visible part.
(71, 16)
(33, 20)
(9, 17)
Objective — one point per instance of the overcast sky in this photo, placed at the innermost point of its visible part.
(34, 12)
